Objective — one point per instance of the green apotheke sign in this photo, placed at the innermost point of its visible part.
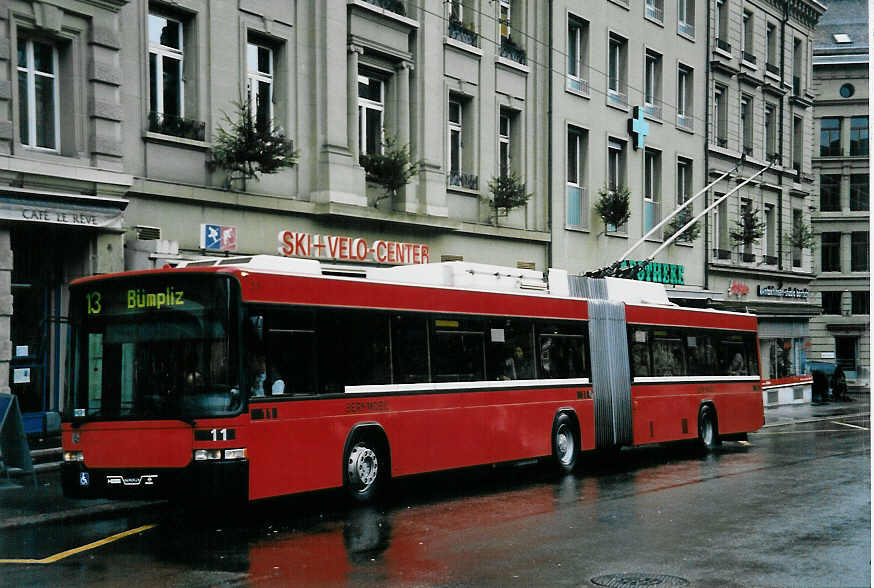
(663, 273)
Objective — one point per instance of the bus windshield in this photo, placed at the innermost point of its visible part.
(153, 346)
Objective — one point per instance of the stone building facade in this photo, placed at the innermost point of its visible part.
(760, 119)
(841, 335)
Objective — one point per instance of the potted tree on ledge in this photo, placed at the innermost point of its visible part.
(507, 192)
(392, 169)
(613, 207)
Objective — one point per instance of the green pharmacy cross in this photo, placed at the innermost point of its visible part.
(638, 128)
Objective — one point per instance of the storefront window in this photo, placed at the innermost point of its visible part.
(783, 358)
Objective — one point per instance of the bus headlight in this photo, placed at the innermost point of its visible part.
(205, 454)
(235, 453)
(73, 456)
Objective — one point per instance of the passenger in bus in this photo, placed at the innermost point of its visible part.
(277, 388)
(516, 367)
(258, 373)
(737, 367)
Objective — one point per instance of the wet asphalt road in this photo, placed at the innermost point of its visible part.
(791, 508)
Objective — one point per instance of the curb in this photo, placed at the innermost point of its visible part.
(813, 420)
(79, 513)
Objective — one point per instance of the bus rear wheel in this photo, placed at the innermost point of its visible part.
(365, 469)
(708, 436)
(564, 443)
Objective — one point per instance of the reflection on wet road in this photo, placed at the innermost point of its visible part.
(792, 504)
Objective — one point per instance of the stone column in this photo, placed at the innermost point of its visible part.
(5, 309)
(352, 100)
(402, 74)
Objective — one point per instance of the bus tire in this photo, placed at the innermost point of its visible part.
(708, 433)
(365, 468)
(565, 443)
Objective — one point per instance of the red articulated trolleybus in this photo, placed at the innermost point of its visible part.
(254, 377)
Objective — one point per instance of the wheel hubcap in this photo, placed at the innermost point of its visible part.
(363, 467)
(564, 443)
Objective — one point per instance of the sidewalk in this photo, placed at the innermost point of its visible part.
(22, 505)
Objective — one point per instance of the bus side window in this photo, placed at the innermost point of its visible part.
(509, 351)
(457, 352)
(731, 357)
(667, 354)
(353, 349)
(639, 350)
(409, 342)
(291, 362)
(562, 350)
(701, 354)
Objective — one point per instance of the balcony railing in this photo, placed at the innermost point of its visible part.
(616, 97)
(685, 121)
(395, 6)
(512, 51)
(686, 28)
(773, 69)
(721, 142)
(723, 45)
(722, 254)
(749, 57)
(769, 259)
(459, 32)
(578, 84)
(653, 109)
(748, 257)
(467, 181)
(176, 126)
(748, 150)
(655, 11)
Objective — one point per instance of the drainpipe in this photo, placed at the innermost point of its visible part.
(707, 149)
(549, 147)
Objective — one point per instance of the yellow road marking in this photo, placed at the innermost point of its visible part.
(74, 551)
(849, 425)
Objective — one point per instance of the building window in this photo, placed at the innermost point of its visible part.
(504, 143)
(38, 112)
(684, 183)
(455, 143)
(830, 193)
(720, 115)
(455, 10)
(845, 353)
(771, 47)
(686, 17)
(746, 123)
(797, 222)
(577, 200)
(617, 59)
(797, 67)
(770, 131)
(684, 98)
(859, 192)
(721, 23)
(166, 86)
(371, 107)
(578, 54)
(829, 137)
(859, 251)
(504, 17)
(652, 182)
(831, 252)
(259, 84)
(654, 9)
(615, 170)
(720, 228)
(797, 144)
(747, 52)
(859, 135)
(652, 83)
(831, 302)
(861, 302)
(769, 239)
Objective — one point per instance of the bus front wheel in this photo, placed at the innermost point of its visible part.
(365, 470)
(564, 443)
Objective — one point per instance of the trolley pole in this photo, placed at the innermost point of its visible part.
(682, 207)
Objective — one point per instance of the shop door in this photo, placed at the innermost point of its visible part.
(35, 290)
